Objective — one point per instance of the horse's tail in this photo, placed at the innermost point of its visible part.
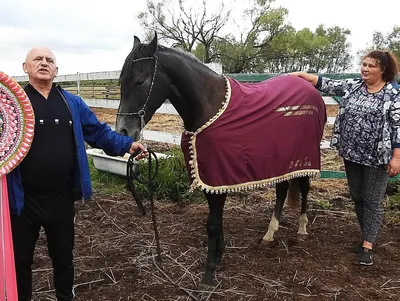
(294, 193)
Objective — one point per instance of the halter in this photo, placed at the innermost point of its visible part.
(141, 113)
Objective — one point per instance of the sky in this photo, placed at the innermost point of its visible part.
(97, 35)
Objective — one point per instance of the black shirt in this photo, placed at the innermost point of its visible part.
(48, 167)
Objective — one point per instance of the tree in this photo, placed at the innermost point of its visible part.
(289, 51)
(263, 42)
(336, 51)
(389, 41)
(393, 41)
(325, 50)
(272, 45)
(243, 53)
(188, 27)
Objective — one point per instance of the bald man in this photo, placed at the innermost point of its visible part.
(55, 173)
(40, 65)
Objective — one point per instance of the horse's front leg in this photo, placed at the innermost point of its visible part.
(215, 244)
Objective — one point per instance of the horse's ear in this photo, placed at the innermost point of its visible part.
(135, 40)
(151, 48)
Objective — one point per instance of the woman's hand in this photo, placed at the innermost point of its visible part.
(298, 73)
(311, 78)
(393, 167)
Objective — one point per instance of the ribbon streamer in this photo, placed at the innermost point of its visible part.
(7, 266)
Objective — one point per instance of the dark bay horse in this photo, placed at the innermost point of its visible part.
(152, 73)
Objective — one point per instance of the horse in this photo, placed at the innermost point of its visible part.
(153, 73)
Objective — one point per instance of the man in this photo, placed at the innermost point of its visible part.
(55, 173)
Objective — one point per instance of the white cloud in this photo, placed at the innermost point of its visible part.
(85, 35)
(96, 35)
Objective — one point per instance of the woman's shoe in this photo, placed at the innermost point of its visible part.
(365, 257)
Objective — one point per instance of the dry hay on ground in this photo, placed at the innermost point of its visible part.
(115, 252)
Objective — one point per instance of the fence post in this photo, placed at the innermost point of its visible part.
(78, 83)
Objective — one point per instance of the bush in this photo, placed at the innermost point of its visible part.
(171, 182)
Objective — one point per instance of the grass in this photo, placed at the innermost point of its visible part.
(323, 204)
(171, 182)
(105, 182)
(392, 205)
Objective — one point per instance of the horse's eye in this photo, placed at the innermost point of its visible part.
(139, 83)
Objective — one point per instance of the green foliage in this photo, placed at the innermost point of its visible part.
(393, 192)
(323, 204)
(394, 201)
(184, 27)
(246, 53)
(104, 182)
(392, 205)
(325, 50)
(266, 42)
(171, 182)
(92, 83)
(393, 41)
(385, 41)
(392, 215)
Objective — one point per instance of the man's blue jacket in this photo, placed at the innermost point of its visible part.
(87, 128)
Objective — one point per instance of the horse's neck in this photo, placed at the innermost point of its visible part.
(197, 92)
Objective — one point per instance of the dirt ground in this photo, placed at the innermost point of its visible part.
(115, 251)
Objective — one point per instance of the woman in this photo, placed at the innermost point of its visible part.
(367, 136)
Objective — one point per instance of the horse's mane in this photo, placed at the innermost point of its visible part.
(181, 52)
(126, 71)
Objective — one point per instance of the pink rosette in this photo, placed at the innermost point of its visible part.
(17, 124)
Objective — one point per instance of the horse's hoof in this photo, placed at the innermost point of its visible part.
(205, 287)
(267, 242)
(302, 237)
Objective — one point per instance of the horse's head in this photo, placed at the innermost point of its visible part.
(141, 93)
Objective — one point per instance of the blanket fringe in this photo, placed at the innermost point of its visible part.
(267, 183)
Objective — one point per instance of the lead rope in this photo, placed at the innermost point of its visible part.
(133, 174)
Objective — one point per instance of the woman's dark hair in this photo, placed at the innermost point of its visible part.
(388, 63)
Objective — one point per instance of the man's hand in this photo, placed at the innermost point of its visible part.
(136, 146)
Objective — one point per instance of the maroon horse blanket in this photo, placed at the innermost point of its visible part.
(265, 133)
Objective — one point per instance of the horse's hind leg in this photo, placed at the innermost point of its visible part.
(281, 193)
(216, 204)
(303, 220)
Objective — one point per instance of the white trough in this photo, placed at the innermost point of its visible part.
(115, 165)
